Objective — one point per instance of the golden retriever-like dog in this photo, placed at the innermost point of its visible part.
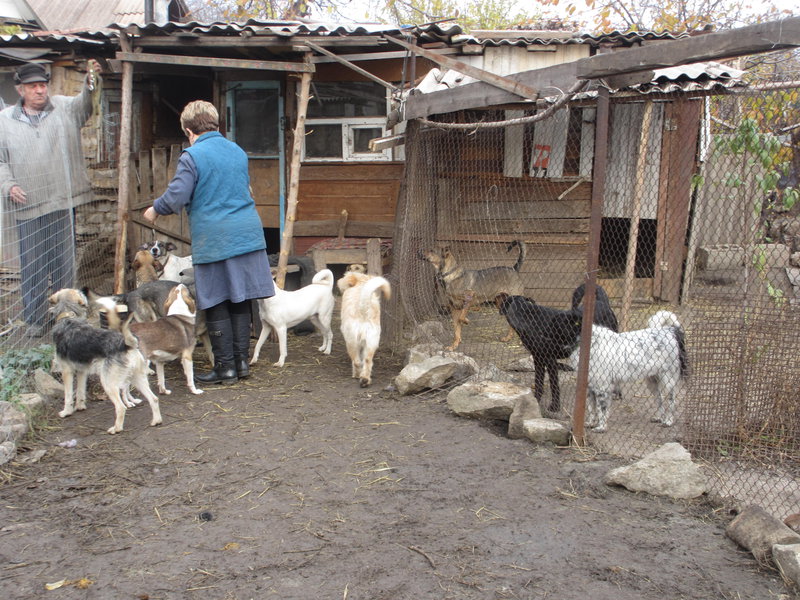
(361, 320)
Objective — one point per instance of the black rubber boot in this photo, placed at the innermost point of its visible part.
(241, 342)
(224, 370)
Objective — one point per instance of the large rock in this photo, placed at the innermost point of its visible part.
(525, 409)
(668, 471)
(787, 558)
(467, 365)
(546, 431)
(31, 403)
(431, 373)
(758, 531)
(487, 399)
(8, 450)
(47, 385)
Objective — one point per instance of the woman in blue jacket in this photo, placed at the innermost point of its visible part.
(229, 253)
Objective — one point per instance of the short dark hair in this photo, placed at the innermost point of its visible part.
(199, 117)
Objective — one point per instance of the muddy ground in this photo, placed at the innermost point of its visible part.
(298, 484)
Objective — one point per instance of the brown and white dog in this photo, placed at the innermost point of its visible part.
(146, 267)
(361, 320)
(81, 349)
(170, 337)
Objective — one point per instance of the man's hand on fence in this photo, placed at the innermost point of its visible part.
(18, 195)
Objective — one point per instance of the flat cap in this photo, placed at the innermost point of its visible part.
(31, 73)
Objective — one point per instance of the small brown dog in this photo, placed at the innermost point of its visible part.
(170, 337)
(146, 267)
(465, 288)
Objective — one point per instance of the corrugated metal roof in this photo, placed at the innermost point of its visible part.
(546, 38)
(65, 15)
(287, 28)
(686, 78)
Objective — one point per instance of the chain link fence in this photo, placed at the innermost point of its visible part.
(700, 218)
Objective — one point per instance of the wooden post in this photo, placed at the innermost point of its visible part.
(592, 258)
(294, 175)
(636, 217)
(123, 171)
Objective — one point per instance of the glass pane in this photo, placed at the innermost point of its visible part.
(361, 138)
(346, 99)
(323, 141)
(256, 117)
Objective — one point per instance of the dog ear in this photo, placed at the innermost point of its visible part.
(144, 246)
(170, 246)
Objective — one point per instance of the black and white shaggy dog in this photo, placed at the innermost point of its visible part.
(81, 349)
(656, 354)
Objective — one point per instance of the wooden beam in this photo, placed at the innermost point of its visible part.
(504, 83)
(350, 65)
(364, 56)
(763, 37)
(753, 39)
(221, 63)
(474, 95)
(294, 174)
(124, 187)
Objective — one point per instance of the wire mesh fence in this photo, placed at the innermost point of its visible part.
(59, 233)
(699, 220)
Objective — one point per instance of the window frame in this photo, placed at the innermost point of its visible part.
(348, 125)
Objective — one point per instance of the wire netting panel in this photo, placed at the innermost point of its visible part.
(59, 233)
(698, 255)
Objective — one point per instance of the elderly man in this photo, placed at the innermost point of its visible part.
(42, 178)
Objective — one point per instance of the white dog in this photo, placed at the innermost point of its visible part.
(656, 354)
(361, 320)
(287, 309)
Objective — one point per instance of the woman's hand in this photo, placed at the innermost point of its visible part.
(150, 215)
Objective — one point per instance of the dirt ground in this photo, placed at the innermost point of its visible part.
(298, 484)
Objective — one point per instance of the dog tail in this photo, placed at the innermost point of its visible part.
(350, 279)
(111, 309)
(522, 251)
(664, 318)
(324, 277)
(373, 286)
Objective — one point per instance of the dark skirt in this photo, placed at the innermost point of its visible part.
(237, 279)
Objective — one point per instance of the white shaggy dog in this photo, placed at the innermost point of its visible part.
(287, 309)
(361, 320)
(656, 354)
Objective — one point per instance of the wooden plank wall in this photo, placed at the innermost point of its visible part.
(478, 225)
(367, 191)
(151, 171)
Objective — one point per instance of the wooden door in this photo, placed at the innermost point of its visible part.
(678, 164)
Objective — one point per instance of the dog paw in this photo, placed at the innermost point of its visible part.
(253, 360)
(278, 364)
(155, 422)
(163, 390)
(80, 407)
(196, 391)
(599, 429)
(113, 430)
(65, 413)
(364, 382)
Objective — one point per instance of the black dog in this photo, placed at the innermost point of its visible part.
(603, 313)
(549, 334)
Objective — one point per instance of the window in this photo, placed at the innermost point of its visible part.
(341, 119)
(254, 110)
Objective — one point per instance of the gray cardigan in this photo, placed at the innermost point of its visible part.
(46, 161)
